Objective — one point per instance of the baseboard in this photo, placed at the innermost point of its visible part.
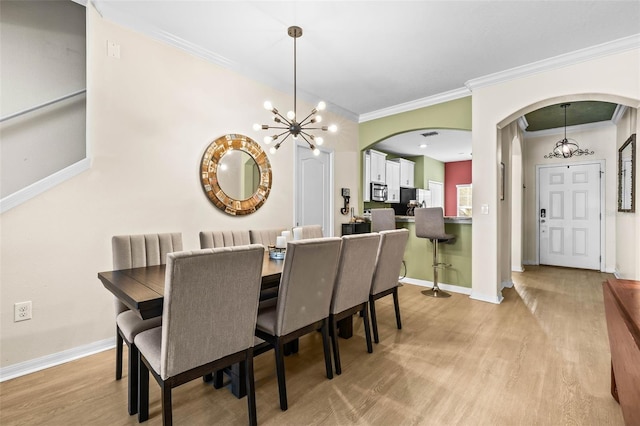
(529, 262)
(446, 287)
(31, 366)
(517, 268)
(497, 299)
(506, 284)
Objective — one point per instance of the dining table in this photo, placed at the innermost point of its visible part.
(142, 291)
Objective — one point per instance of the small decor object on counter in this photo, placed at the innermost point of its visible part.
(297, 234)
(277, 253)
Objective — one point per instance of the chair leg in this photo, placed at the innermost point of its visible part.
(374, 322)
(251, 388)
(326, 346)
(133, 379)
(143, 390)
(167, 413)
(218, 378)
(118, 355)
(367, 329)
(333, 333)
(396, 304)
(282, 386)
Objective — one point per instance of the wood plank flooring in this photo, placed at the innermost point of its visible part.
(539, 358)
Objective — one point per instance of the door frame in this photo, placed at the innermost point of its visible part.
(296, 179)
(602, 204)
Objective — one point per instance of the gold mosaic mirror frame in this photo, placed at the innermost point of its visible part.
(209, 174)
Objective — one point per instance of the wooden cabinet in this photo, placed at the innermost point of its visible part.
(378, 166)
(393, 182)
(622, 311)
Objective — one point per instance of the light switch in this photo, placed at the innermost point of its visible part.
(113, 49)
(485, 209)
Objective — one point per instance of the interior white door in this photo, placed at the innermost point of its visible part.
(314, 183)
(569, 216)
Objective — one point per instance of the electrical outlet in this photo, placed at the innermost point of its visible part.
(22, 311)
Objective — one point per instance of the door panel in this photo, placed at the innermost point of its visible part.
(569, 216)
(313, 193)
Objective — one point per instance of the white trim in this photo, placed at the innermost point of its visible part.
(516, 268)
(447, 287)
(570, 129)
(586, 54)
(497, 299)
(530, 262)
(47, 361)
(37, 188)
(506, 284)
(523, 123)
(451, 95)
(618, 113)
(601, 163)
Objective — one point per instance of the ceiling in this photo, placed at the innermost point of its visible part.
(446, 146)
(365, 56)
(585, 112)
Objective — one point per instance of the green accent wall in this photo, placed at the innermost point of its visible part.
(454, 114)
(432, 170)
(418, 255)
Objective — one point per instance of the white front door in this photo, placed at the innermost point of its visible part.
(314, 189)
(569, 215)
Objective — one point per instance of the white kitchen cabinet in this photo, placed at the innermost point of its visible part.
(366, 178)
(378, 166)
(393, 182)
(407, 171)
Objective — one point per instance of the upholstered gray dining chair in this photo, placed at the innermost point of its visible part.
(383, 220)
(306, 284)
(385, 276)
(266, 237)
(206, 323)
(353, 282)
(212, 239)
(308, 231)
(136, 251)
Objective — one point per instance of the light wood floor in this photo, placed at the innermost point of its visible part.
(539, 358)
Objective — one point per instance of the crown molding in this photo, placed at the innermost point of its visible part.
(451, 95)
(586, 54)
(143, 27)
(618, 113)
(570, 129)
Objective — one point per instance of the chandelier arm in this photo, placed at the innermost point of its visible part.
(275, 127)
(312, 146)
(304, 121)
(282, 116)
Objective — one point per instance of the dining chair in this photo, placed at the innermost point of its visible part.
(307, 231)
(387, 271)
(213, 239)
(266, 237)
(351, 289)
(383, 220)
(136, 251)
(206, 323)
(306, 284)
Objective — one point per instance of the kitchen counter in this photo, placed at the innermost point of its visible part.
(447, 219)
(418, 253)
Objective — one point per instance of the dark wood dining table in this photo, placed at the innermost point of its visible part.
(142, 291)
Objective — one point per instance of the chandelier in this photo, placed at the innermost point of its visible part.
(291, 124)
(567, 148)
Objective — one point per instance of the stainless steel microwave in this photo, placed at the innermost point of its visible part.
(378, 192)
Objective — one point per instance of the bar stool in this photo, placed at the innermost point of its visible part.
(430, 224)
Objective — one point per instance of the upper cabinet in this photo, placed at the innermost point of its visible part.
(393, 182)
(378, 166)
(407, 170)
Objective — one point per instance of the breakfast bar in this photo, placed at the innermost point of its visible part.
(419, 252)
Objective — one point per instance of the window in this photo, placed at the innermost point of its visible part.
(464, 200)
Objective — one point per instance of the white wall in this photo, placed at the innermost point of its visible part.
(612, 78)
(602, 141)
(151, 114)
(627, 227)
(42, 45)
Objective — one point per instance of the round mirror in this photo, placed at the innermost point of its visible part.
(236, 174)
